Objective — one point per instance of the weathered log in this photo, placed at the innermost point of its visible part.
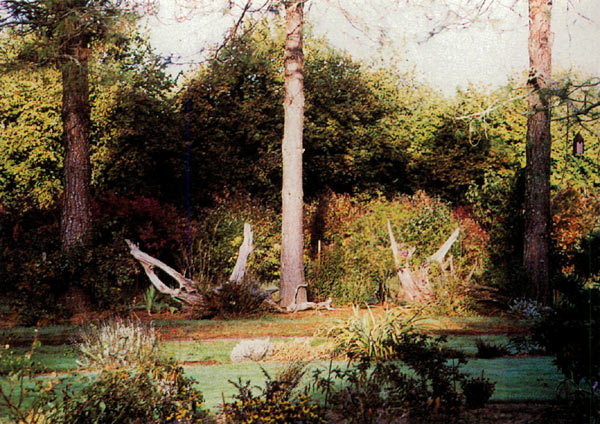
(304, 306)
(415, 282)
(187, 291)
(187, 288)
(245, 249)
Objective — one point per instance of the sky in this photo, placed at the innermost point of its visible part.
(482, 50)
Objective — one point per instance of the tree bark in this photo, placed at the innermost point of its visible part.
(76, 216)
(292, 264)
(538, 151)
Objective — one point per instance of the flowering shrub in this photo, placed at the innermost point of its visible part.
(150, 394)
(276, 404)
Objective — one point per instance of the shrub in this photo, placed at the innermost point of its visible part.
(217, 233)
(571, 332)
(117, 344)
(477, 391)
(527, 308)
(152, 394)
(277, 403)
(490, 350)
(232, 300)
(11, 363)
(355, 263)
(399, 372)
(253, 350)
(367, 336)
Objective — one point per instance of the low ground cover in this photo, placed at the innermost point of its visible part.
(205, 357)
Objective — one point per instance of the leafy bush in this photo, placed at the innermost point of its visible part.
(367, 336)
(400, 372)
(277, 403)
(355, 263)
(23, 397)
(151, 393)
(571, 332)
(420, 381)
(217, 233)
(11, 363)
(527, 308)
(118, 344)
(490, 350)
(477, 391)
(232, 300)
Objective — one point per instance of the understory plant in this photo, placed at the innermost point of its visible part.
(370, 336)
(571, 332)
(393, 371)
(153, 393)
(279, 402)
(118, 343)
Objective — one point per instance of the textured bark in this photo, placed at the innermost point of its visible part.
(538, 150)
(76, 207)
(292, 266)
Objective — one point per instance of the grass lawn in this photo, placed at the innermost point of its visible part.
(203, 347)
(517, 379)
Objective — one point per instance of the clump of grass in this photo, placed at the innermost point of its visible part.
(118, 343)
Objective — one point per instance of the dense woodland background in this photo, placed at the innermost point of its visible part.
(179, 165)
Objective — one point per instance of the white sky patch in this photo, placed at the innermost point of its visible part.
(487, 52)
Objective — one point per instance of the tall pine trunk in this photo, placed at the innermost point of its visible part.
(539, 142)
(292, 265)
(76, 207)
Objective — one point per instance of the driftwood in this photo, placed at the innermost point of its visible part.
(187, 288)
(245, 249)
(187, 291)
(304, 306)
(415, 282)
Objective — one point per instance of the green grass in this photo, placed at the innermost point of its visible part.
(517, 379)
(196, 351)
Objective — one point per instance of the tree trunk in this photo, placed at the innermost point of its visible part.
(76, 208)
(539, 142)
(292, 266)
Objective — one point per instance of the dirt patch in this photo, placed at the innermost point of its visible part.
(519, 413)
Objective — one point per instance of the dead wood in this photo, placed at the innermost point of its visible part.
(415, 281)
(187, 290)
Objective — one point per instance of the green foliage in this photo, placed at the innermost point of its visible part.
(277, 403)
(411, 375)
(355, 264)
(477, 391)
(232, 300)
(23, 401)
(150, 393)
(11, 364)
(217, 233)
(571, 332)
(490, 350)
(368, 336)
(118, 343)
(232, 108)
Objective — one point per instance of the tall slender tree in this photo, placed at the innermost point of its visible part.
(538, 149)
(292, 264)
(62, 32)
